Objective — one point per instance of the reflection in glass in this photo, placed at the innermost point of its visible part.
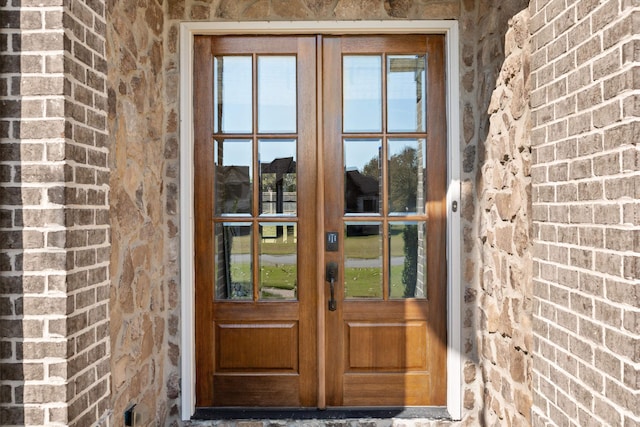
(407, 264)
(406, 101)
(278, 261)
(232, 261)
(278, 183)
(362, 175)
(407, 164)
(232, 159)
(362, 93)
(363, 260)
(277, 94)
(232, 94)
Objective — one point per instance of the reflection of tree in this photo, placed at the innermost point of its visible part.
(403, 183)
(289, 182)
(403, 194)
(372, 169)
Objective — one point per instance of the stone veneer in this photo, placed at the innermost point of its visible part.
(54, 223)
(496, 214)
(504, 213)
(586, 206)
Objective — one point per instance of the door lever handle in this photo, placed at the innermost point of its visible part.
(331, 274)
(332, 300)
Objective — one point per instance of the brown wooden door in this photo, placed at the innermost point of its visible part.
(301, 140)
(386, 340)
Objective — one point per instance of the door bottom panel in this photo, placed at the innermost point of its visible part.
(256, 390)
(385, 389)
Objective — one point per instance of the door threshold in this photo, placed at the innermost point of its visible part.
(334, 413)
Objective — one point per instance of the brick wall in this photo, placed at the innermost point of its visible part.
(586, 205)
(53, 214)
(87, 211)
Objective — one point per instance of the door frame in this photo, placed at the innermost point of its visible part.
(188, 30)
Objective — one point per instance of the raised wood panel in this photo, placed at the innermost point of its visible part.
(387, 389)
(386, 346)
(252, 347)
(257, 390)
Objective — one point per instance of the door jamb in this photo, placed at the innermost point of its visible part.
(455, 356)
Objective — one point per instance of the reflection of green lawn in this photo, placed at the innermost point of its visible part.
(272, 276)
(367, 247)
(281, 277)
(362, 247)
(279, 248)
(360, 282)
(365, 282)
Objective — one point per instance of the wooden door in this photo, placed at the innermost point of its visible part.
(315, 157)
(255, 195)
(384, 129)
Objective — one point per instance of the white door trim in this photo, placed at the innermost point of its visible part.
(188, 30)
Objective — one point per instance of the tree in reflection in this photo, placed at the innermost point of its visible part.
(403, 196)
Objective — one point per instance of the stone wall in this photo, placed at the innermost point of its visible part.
(54, 349)
(585, 108)
(496, 212)
(504, 213)
(144, 152)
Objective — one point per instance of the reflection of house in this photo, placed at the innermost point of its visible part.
(274, 197)
(361, 193)
(234, 184)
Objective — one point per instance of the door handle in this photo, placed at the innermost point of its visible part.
(331, 274)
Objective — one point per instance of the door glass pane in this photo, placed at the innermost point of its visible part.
(363, 260)
(232, 94)
(277, 94)
(362, 176)
(407, 172)
(362, 93)
(278, 179)
(232, 261)
(278, 261)
(406, 101)
(407, 264)
(233, 176)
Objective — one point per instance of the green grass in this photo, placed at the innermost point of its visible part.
(362, 247)
(369, 247)
(366, 282)
(280, 277)
(362, 282)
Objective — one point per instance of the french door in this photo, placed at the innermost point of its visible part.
(320, 219)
